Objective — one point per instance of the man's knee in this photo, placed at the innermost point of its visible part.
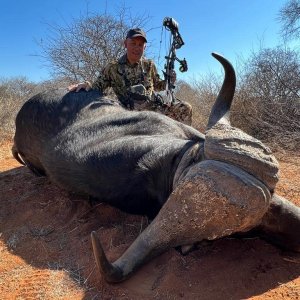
(183, 112)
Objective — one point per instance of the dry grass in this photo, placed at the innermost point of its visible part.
(9, 107)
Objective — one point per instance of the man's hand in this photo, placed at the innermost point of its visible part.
(79, 86)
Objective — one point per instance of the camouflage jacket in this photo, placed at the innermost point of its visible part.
(120, 76)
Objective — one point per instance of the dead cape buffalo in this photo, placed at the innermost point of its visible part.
(195, 187)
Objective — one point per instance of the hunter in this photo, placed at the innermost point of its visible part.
(134, 79)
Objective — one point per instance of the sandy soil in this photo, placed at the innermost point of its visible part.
(45, 249)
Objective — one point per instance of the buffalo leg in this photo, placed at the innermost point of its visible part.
(281, 224)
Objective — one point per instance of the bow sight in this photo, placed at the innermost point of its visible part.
(177, 42)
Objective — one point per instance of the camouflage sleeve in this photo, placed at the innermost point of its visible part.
(103, 81)
(158, 84)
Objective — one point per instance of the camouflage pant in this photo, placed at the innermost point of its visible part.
(180, 111)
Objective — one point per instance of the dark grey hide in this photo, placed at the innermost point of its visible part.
(91, 145)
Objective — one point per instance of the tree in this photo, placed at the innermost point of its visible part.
(80, 50)
(289, 16)
(269, 97)
(274, 74)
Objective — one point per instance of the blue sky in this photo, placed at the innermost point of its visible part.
(230, 27)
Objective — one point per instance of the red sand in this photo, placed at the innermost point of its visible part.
(45, 249)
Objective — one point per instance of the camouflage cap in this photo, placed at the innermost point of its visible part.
(135, 32)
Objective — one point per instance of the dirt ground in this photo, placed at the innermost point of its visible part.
(45, 249)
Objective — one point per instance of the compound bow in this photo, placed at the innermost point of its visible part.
(177, 42)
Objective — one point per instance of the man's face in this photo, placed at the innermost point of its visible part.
(135, 48)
